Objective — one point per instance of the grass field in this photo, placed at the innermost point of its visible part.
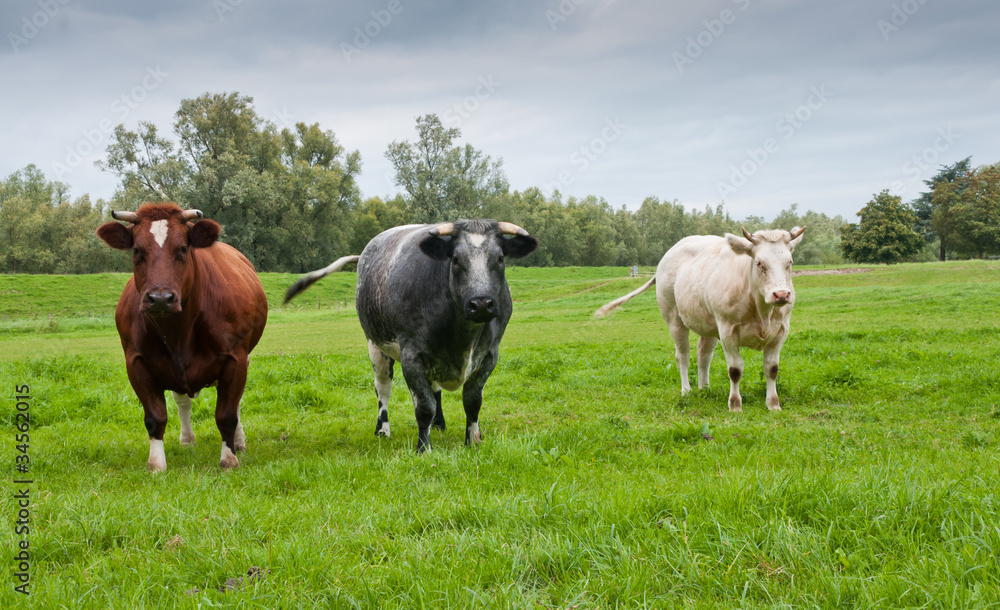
(597, 484)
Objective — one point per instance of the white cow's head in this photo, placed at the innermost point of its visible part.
(771, 269)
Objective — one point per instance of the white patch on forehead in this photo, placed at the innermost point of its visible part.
(476, 239)
(159, 231)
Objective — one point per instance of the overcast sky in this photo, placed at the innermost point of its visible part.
(755, 103)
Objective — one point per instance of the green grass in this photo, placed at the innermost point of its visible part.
(597, 484)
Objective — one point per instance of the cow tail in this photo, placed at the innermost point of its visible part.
(309, 279)
(603, 311)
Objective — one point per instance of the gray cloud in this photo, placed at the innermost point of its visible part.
(897, 72)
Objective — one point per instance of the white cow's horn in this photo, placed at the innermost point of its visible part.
(125, 216)
(191, 214)
(796, 232)
(443, 229)
(749, 237)
(509, 228)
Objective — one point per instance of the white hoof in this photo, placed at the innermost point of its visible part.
(157, 458)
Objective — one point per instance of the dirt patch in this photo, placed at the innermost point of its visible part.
(831, 271)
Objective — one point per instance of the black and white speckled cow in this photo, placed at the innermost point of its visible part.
(435, 299)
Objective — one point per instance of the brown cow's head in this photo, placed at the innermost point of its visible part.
(160, 237)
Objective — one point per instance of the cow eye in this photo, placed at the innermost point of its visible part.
(181, 252)
(500, 259)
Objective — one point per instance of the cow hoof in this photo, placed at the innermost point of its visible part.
(240, 441)
(188, 440)
(383, 430)
(472, 435)
(776, 407)
(440, 427)
(157, 461)
(228, 459)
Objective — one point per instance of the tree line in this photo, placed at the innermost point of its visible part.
(288, 199)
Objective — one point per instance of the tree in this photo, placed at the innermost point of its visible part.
(443, 181)
(285, 199)
(933, 217)
(975, 214)
(821, 245)
(885, 233)
(42, 231)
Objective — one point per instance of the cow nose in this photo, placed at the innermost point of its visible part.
(160, 301)
(781, 297)
(481, 309)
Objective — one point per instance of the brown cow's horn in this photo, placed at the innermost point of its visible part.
(509, 228)
(749, 237)
(125, 216)
(191, 214)
(443, 229)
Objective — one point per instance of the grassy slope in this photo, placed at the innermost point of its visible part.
(596, 484)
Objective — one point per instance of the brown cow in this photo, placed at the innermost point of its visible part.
(188, 318)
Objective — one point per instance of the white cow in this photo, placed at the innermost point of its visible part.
(734, 289)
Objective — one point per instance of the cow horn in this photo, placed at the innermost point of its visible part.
(796, 232)
(125, 216)
(443, 229)
(191, 214)
(509, 228)
(749, 237)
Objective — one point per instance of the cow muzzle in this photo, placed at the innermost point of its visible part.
(160, 302)
(781, 297)
(480, 309)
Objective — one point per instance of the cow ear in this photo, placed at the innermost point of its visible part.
(796, 235)
(116, 235)
(438, 248)
(203, 233)
(519, 245)
(740, 245)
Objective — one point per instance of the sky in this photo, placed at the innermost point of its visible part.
(754, 104)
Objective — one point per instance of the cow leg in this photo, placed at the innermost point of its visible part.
(240, 438)
(382, 365)
(424, 403)
(232, 381)
(682, 351)
(439, 414)
(472, 398)
(183, 402)
(154, 407)
(771, 356)
(706, 349)
(734, 362)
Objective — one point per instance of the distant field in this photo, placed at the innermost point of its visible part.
(597, 485)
